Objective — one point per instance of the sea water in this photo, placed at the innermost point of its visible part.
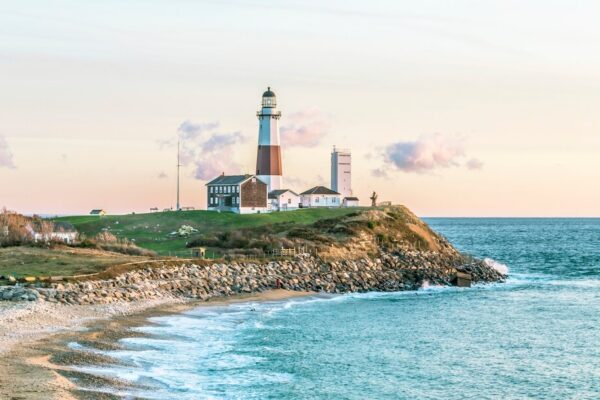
(537, 336)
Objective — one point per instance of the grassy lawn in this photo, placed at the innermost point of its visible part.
(151, 230)
(32, 261)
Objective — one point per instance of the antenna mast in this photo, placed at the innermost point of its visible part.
(178, 165)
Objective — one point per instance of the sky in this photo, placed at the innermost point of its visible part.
(462, 108)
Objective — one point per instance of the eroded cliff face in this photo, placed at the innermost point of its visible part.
(393, 229)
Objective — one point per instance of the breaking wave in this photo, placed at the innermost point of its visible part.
(498, 266)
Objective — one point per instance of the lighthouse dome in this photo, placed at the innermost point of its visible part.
(269, 93)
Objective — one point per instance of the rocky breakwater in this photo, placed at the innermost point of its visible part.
(187, 280)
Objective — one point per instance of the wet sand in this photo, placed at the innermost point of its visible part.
(37, 364)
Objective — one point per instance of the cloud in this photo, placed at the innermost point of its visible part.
(379, 173)
(221, 140)
(162, 175)
(474, 164)
(190, 130)
(304, 129)
(206, 150)
(427, 153)
(6, 156)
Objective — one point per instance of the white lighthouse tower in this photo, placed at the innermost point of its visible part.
(268, 162)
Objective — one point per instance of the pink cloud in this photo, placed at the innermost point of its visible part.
(426, 154)
(208, 151)
(474, 164)
(304, 129)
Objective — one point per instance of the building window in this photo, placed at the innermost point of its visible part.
(210, 189)
(316, 199)
(289, 201)
(237, 189)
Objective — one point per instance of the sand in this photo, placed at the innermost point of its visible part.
(34, 358)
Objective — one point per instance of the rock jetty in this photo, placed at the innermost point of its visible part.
(187, 280)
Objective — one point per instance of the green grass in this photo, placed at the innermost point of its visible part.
(64, 261)
(151, 231)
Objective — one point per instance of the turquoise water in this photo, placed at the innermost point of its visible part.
(534, 337)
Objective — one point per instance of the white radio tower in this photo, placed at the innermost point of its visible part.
(178, 165)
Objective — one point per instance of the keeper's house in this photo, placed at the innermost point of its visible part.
(320, 196)
(242, 194)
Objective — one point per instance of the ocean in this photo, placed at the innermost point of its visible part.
(537, 336)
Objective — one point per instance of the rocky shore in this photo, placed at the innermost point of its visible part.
(188, 280)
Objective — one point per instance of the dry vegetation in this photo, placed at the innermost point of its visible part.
(16, 229)
(358, 234)
(108, 242)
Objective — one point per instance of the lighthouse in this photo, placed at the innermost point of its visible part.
(268, 162)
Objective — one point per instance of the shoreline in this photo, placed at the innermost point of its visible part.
(35, 360)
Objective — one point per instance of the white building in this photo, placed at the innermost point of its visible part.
(320, 196)
(241, 194)
(350, 202)
(65, 237)
(268, 160)
(284, 200)
(341, 172)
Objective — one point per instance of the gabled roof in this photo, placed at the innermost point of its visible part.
(229, 179)
(319, 190)
(276, 193)
(97, 211)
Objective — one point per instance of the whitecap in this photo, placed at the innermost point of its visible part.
(498, 266)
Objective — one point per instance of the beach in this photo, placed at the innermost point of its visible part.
(34, 334)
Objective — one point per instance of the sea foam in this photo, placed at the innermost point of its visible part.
(498, 266)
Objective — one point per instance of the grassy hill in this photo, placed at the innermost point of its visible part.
(343, 233)
(20, 261)
(152, 231)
